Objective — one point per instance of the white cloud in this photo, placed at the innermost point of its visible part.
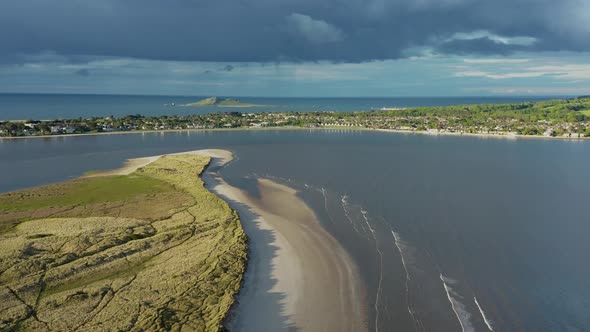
(565, 71)
(539, 91)
(498, 76)
(515, 40)
(491, 61)
(314, 31)
(498, 69)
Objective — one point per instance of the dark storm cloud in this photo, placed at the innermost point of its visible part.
(41, 56)
(82, 72)
(285, 30)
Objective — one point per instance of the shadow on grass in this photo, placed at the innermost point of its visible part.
(257, 307)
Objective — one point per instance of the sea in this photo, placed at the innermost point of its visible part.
(449, 233)
(67, 106)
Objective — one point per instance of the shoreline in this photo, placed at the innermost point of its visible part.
(399, 131)
(132, 164)
(509, 137)
(297, 275)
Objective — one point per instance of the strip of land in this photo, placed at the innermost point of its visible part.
(559, 118)
(298, 276)
(146, 247)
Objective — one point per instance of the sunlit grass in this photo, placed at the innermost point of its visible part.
(82, 192)
(153, 250)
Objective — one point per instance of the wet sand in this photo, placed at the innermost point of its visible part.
(298, 275)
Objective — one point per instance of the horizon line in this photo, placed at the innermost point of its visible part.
(294, 97)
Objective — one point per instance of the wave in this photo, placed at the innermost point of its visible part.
(346, 207)
(324, 193)
(364, 214)
(398, 243)
(379, 285)
(344, 201)
(401, 248)
(459, 308)
(369, 235)
(483, 315)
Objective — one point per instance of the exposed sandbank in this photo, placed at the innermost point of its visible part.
(298, 275)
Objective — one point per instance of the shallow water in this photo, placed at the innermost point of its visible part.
(449, 233)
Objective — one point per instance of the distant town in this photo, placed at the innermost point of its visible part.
(566, 118)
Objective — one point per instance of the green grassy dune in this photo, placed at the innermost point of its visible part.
(82, 192)
(153, 250)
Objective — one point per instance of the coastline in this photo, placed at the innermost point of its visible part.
(297, 275)
(510, 137)
(399, 131)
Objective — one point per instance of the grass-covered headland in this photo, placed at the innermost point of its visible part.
(153, 250)
(551, 118)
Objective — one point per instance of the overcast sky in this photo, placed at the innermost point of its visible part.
(296, 47)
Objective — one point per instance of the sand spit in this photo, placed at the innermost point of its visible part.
(298, 276)
(155, 251)
(131, 165)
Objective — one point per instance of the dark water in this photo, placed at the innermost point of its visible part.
(47, 106)
(434, 223)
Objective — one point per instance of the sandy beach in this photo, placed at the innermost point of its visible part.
(131, 165)
(298, 276)
(501, 136)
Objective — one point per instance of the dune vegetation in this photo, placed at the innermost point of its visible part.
(153, 250)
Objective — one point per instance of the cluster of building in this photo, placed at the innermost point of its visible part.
(370, 120)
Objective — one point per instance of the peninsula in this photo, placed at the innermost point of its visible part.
(142, 248)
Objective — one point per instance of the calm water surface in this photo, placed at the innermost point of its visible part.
(52, 106)
(450, 233)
